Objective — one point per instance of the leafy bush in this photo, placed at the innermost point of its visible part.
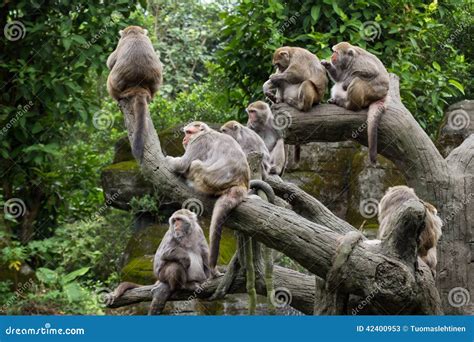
(411, 38)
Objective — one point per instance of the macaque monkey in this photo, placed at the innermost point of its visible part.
(215, 164)
(300, 80)
(391, 203)
(135, 73)
(261, 122)
(360, 81)
(181, 260)
(249, 141)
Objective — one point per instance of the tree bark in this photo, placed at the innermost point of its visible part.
(313, 236)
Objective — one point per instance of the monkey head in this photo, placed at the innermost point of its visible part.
(182, 223)
(258, 112)
(281, 58)
(193, 130)
(133, 30)
(343, 55)
(232, 128)
(394, 198)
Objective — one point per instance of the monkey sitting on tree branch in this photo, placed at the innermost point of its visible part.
(316, 246)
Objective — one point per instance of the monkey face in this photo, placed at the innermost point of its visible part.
(343, 55)
(231, 128)
(180, 225)
(256, 119)
(192, 129)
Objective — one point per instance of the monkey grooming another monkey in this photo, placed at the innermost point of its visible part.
(261, 122)
(215, 164)
(181, 260)
(136, 73)
(360, 81)
(300, 80)
(249, 141)
(391, 203)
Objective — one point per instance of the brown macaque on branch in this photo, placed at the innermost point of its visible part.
(261, 121)
(360, 81)
(214, 164)
(181, 260)
(390, 204)
(135, 73)
(249, 141)
(300, 80)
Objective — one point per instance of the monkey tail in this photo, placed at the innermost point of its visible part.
(230, 199)
(123, 287)
(141, 98)
(265, 187)
(374, 115)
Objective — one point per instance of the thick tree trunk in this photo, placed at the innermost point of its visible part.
(352, 267)
(446, 183)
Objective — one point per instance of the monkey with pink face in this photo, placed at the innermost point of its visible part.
(215, 164)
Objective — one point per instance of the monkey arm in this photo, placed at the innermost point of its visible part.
(278, 156)
(289, 75)
(111, 60)
(177, 254)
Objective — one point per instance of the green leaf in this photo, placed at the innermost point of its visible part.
(47, 276)
(436, 66)
(74, 292)
(457, 85)
(75, 274)
(315, 12)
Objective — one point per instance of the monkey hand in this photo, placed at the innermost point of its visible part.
(326, 64)
(215, 273)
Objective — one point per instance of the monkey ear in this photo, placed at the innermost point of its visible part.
(145, 31)
(121, 33)
(284, 53)
(351, 52)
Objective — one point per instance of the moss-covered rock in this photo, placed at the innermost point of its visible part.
(123, 181)
(366, 186)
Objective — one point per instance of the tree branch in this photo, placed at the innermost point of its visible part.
(400, 137)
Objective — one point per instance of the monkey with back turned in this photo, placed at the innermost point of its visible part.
(360, 81)
(391, 202)
(135, 73)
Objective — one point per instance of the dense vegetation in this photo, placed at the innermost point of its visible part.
(58, 125)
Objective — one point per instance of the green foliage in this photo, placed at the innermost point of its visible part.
(408, 37)
(204, 102)
(184, 36)
(50, 71)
